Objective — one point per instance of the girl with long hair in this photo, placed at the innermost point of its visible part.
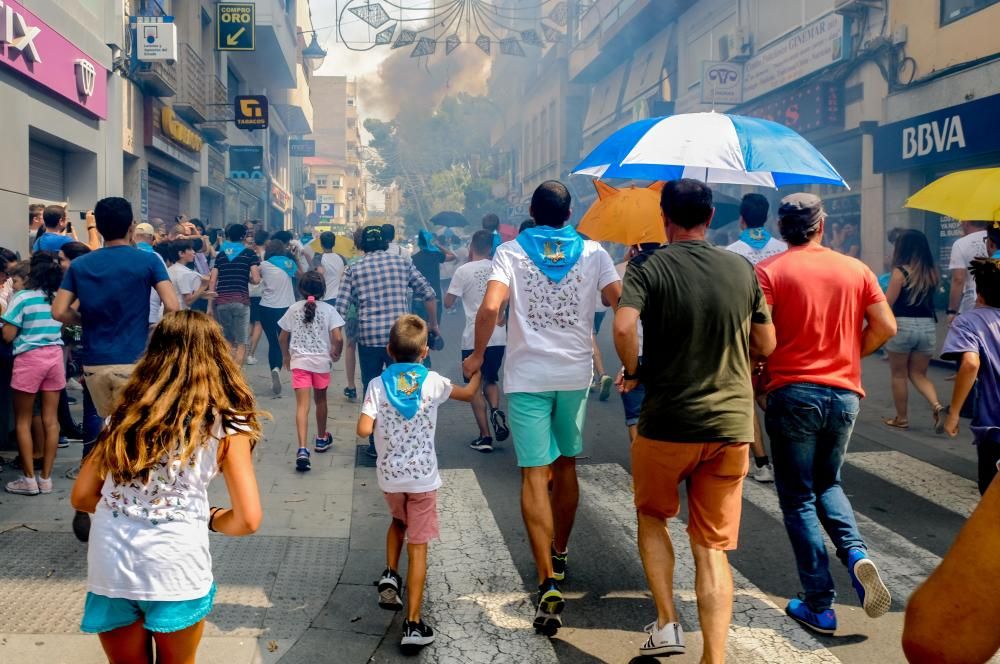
(185, 415)
(913, 284)
(311, 342)
(277, 274)
(39, 366)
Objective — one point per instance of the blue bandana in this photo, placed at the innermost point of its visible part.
(996, 256)
(143, 246)
(497, 241)
(403, 383)
(757, 238)
(554, 250)
(232, 249)
(286, 264)
(425, 240)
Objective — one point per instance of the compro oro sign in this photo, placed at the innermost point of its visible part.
(818, 45)
(721, 82)
(235, 21)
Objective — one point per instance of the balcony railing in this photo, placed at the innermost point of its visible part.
(219, 111)
(157, 78)
(216, 176)
(192, 93)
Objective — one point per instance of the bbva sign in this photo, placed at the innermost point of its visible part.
(936, 136)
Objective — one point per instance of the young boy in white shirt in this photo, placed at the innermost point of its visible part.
(400, 407)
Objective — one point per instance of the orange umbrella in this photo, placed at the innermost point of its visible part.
(627, 216)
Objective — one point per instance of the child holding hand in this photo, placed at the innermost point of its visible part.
(401, 407)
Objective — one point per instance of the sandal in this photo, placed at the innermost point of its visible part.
(939, 414)
(896, 423)
(351, 393)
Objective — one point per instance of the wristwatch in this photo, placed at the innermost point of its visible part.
(951, 312)
(627, 376)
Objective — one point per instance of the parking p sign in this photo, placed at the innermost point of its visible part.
(235, 21)
(326, 210)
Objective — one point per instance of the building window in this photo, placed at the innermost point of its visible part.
(321, 182)
(952, 10)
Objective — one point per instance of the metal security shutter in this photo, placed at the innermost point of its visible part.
(46, 172)
(164, 198)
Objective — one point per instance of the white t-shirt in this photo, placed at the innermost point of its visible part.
(548, 333)
(149, 541)
(773, 247)
(278, 292)
(257, 289)
(155, 304)
(407, 461)
(309, 344)
(394, 249)
(469, 283)
(963, 252)
(184, 280)
(333, 265)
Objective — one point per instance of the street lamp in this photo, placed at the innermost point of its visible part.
(313, 53)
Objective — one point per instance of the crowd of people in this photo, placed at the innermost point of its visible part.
(768, 334)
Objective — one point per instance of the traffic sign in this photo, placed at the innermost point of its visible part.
(326, 210)
(236, 21)
(250, 111)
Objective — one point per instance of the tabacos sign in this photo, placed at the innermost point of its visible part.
(946, 135)
(40, 54)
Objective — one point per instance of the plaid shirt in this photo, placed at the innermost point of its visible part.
(379, 286)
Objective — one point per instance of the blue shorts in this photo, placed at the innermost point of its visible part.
(632, 401)
(103, 614)
(492, 360)
(546, 425)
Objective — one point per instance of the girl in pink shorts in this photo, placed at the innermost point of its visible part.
(311, 341)
(38, 367)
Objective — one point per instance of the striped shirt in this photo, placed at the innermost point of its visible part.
(233, 284)
(31, 312)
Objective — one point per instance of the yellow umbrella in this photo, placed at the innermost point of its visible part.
(627, 216)
(966, 195)
(344, 246)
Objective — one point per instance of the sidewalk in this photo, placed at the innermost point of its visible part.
(271, 586)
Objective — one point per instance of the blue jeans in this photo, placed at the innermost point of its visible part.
(92, 422)
(810, 427)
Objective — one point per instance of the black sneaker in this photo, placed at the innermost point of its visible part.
(482, 444)
(81, 526)
(302, 462)
(389, 588)
(500, 428)
(559, 561)
(73, 434)
(416, 635)
(550, 605)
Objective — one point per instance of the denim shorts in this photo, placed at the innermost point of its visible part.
(914, 335)
(103, 614)
(632, 401)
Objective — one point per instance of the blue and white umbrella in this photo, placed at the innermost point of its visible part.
(712, 147)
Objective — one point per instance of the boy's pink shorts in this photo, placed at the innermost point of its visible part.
(303, 380)
(418, 511)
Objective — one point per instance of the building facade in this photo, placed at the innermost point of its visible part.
(338, 145)
(60, 118)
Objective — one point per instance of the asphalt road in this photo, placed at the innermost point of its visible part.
(912, 494)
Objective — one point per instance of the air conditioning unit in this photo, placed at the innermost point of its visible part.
(735, 45)
(856, 6)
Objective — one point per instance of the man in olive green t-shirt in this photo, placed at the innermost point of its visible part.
(704, 317)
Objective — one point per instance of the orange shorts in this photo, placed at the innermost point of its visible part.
(713, 474)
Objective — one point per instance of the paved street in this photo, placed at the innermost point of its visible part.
(300, 590)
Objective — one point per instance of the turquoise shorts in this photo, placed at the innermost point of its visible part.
(546, 425)
(103, 614)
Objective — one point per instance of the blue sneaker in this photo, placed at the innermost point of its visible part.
(872, 592)
(325, 443)
(371, 451)
(824, 622)
(302, 463)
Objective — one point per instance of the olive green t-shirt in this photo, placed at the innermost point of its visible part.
(696, 303)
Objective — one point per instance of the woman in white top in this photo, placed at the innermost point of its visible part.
(149, 568)
(276, 274)
(331, 265)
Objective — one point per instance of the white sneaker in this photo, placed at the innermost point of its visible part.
(24, 486)
(764, 473)
(73, 384)
(276, 380)
(251, 360)
(44, 485)
(666, 641)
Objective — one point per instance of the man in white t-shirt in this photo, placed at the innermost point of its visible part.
(550, 275)
(188, 284)
(469, 283)
(755, 242)
(970, 246)
(331, 265)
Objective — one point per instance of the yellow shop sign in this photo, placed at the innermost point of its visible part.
(178, 131)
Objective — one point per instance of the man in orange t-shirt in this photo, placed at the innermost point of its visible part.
(820, 301)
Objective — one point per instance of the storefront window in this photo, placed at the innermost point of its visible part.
(952, 10)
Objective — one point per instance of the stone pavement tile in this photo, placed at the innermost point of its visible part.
(326, 645)
(364, 566)
(354, 609)
(332, 481)
(86, 649)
